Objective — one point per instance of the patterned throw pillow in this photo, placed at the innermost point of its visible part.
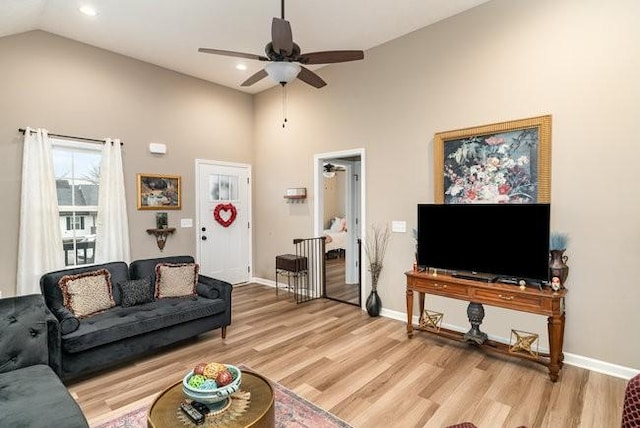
(176, 279)
(87, 293)
(136, 292)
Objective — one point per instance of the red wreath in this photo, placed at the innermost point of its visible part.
(225, 207)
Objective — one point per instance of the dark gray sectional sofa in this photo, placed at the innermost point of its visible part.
(31, 394)
(120, 333)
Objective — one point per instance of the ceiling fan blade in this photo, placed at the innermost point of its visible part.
(308, 76)
(329, 57)
(255, 78)
(281, 36)
(234, 54)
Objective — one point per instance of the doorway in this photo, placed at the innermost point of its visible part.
(223, 211)
(339, 216)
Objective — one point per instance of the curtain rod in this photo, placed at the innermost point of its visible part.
(89, 140)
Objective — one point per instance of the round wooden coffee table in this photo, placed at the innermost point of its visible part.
(260, 412)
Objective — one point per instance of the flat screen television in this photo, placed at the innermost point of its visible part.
(506, 241)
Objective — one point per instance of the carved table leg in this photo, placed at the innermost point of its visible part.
(555, 326)
(421, 307)
(409, 313)
(475, 312)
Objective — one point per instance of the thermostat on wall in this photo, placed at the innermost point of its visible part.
(157, 148)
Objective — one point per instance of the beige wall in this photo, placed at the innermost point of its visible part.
(75, 89)
(507, 59)
(576, 60)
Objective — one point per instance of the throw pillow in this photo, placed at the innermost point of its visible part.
(136, 292)
(87, 293)
(176, 279)
(336, 224)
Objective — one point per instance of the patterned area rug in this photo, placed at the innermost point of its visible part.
(292, 411)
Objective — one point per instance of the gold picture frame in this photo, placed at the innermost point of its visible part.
(506, 162)
(159, 192)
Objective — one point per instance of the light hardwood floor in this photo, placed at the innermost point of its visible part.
(366, 371)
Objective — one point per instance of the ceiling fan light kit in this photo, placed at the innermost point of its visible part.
(282, 72)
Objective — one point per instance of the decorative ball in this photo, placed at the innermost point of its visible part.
(212, 370)
(209, 384)
(224, 378)
(197, 380)
(199, 369)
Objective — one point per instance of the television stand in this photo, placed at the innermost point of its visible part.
(541, 302)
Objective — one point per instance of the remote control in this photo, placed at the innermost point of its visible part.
(192, 413)
(201, 407)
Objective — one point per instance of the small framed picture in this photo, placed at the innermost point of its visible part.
(162, 220)
(159, 192)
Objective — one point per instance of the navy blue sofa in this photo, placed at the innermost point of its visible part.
(120, 333)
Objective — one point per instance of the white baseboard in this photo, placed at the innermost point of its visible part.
(569, 359)
(262, 281)
(592, 364)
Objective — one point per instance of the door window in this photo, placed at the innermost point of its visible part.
(223, 187)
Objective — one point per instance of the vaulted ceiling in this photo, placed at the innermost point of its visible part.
(168, 33)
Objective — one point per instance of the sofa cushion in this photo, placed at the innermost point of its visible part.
(147, 267)
(53, 296)
(119, 323)
(136, 292)
(176, 280)
(34, 397)
(87, 293)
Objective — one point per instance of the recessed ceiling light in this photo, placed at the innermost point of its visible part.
(241, 67)
(88, 10)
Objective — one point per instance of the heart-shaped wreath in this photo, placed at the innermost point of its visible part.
(225, 207)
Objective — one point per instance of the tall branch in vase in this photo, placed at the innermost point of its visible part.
(375, 249)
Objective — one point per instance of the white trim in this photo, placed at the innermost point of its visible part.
(262, 281)
(591, 364)
(318, 216)
(199, 162)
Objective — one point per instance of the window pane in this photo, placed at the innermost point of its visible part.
(223, 187)
(77, 174)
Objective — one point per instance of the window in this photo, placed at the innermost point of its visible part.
(75, 222)
(77, 171)
(223, 187)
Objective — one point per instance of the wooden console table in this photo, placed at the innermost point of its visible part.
(541, 302)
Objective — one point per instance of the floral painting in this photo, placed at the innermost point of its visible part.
(508, 164)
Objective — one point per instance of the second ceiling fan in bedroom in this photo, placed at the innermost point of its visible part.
(285, 58)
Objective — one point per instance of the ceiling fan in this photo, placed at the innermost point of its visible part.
(330, 169)
(283, 55)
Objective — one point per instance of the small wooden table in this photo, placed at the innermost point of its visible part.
(260, 414)
(532, 300)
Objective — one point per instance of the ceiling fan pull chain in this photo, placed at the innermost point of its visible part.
(284, 105)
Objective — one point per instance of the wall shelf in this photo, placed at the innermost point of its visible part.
(161, 235)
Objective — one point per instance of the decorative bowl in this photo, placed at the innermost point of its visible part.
(211, 396)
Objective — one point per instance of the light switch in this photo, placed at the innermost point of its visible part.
(399, 226)
(186, 222)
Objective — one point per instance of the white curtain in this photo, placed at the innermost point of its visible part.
(112, 232)
(40, 240)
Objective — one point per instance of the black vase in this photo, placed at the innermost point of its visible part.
(374, 304)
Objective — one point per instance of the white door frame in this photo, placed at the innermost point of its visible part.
(318, 201)
(249, 209)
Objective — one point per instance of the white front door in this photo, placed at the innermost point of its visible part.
(223, 220)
